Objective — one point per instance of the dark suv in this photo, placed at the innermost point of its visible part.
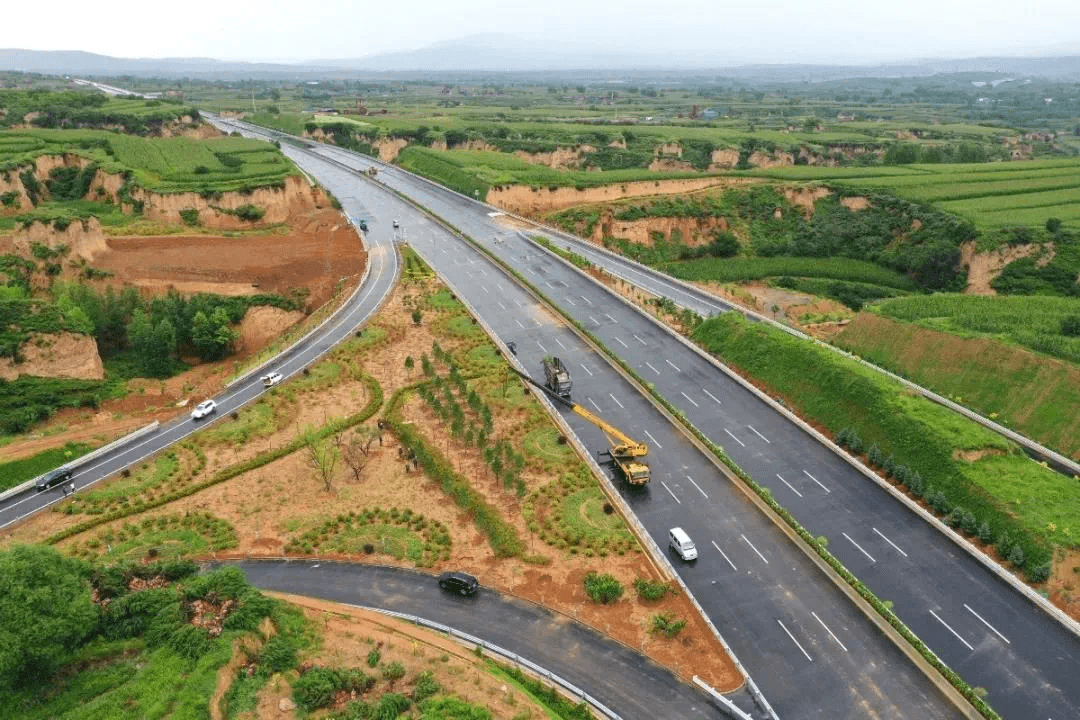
(56, 477)
(459, 582)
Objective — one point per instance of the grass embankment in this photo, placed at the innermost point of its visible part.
(16, 472)
(1035, 395)
(469, 171)
(1034, 322)
(1019, 501)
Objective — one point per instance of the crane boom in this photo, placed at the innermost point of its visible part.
(623, 452)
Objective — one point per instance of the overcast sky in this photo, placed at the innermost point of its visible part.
(840, 31)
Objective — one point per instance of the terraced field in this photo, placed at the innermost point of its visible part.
(175, 164)
(991, 195)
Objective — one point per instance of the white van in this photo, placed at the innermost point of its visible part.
(678, 539)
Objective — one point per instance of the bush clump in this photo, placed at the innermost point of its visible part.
(604, 588)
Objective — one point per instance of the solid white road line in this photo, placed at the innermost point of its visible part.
(593, 403)
(655, 441)
(585, 299)
(689, 398)
(895, 546)
(672, 365)
(983, 620)
(652, 368)
(616, 401)
(724, 556)
(586, 370)
(754, 548)
(759, 434)
(619, 340)
(735, 438)
(952, 631)
(794, 640)
(697, 486)
(817, 481)
(712, 396)
(790, 486)
(670, 493)
(828, 630)
(860, 547)
(640, 340)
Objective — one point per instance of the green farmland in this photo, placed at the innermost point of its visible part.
(167, 165)
(990, 195)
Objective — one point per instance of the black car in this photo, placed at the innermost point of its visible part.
(52, 479)
(459, 582)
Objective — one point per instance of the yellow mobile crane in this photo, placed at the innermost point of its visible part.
(623, 454)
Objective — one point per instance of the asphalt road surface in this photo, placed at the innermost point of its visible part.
(623, 680)
(995, 637)
(786, 622)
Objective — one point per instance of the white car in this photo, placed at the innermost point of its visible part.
(272, 379)
(206, 407)
(397, 223)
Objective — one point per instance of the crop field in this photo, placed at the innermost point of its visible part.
(991, 195)
(747, 269)
(1033, 322)
(176, 164)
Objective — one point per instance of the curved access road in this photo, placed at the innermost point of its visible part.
(620, 678)
(984, 628)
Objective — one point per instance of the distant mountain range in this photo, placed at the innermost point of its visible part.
(520, 55)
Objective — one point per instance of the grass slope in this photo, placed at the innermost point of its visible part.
(838, 394)
(1030, 393)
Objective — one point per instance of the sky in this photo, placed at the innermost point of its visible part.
(832, 31)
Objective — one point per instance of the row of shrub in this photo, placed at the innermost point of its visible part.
(501, 535)
(335, 534)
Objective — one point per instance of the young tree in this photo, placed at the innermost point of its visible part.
(322, 454)
(356, 449)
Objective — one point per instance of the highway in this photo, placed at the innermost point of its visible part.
(790, 626)
(992, 635)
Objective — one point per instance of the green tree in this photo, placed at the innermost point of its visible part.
(211, 336)
(45, 613)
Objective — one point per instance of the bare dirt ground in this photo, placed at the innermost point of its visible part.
(319, 254)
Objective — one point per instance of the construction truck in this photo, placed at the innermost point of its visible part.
(624, 452)
(557, 377)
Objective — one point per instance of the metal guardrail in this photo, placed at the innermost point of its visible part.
(146, 429)
(566, 685)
